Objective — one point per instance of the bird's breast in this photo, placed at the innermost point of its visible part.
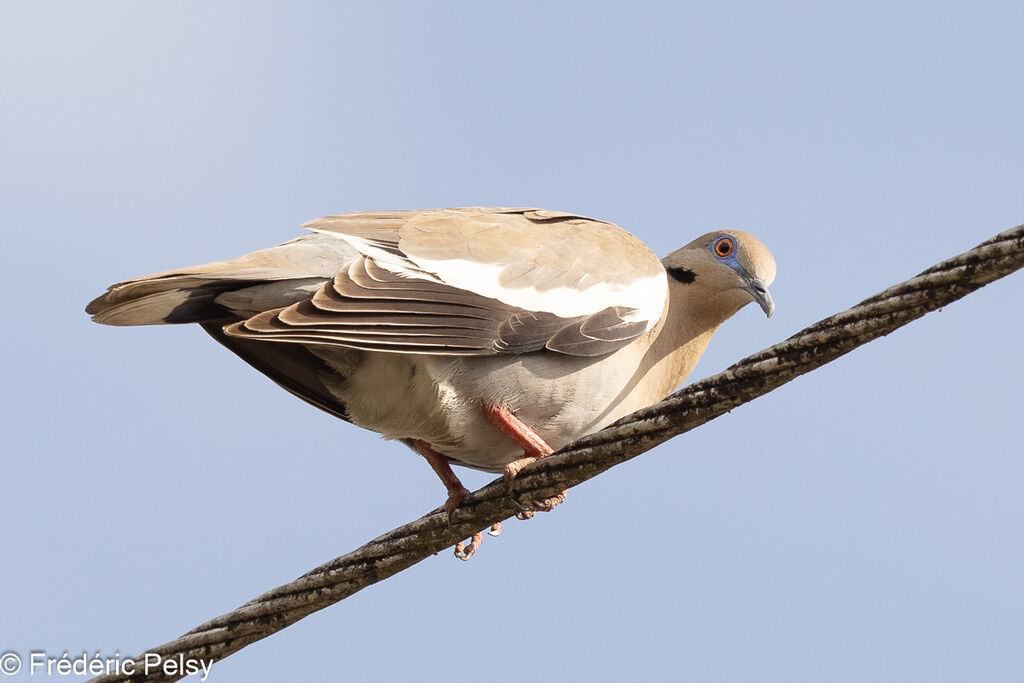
(440, 399)
(559, 397)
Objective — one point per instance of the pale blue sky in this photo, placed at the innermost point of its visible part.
(861, 523)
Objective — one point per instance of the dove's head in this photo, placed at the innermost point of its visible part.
(722, 272)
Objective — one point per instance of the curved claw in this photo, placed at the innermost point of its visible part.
(464, 552)
(495, 530)
(548, 504)
(527, 510)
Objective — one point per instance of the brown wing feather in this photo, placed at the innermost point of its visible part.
(367, 307)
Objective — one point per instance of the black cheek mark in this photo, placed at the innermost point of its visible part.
(683, 275)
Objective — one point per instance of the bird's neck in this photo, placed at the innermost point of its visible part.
(676, 345)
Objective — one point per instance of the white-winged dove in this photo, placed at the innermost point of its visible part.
(477, 336)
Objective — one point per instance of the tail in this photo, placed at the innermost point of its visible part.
(223, 290)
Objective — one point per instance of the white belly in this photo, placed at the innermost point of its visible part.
(439, 399)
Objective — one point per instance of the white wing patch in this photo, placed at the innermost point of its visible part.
(645, 295)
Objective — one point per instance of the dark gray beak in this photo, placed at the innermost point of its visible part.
(759, 292)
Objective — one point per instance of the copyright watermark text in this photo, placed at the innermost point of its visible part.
(40, 663)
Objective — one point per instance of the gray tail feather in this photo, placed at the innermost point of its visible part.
(188, 299)
(241, 287)
(176, 304)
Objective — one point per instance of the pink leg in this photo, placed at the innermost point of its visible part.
(534, 447)
(440, 465)
(511, 426)
(456, 492)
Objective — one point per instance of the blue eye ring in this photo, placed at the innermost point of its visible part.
(724, 247)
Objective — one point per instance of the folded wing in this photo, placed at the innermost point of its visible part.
(472, 281)
(367, 307)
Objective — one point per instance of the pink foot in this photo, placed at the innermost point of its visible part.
(465, 552)
(534, 448)
(456, 492)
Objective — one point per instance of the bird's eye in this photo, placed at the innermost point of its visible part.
(724, 246)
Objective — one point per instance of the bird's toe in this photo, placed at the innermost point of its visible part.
(454, 500)
(464, 552)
